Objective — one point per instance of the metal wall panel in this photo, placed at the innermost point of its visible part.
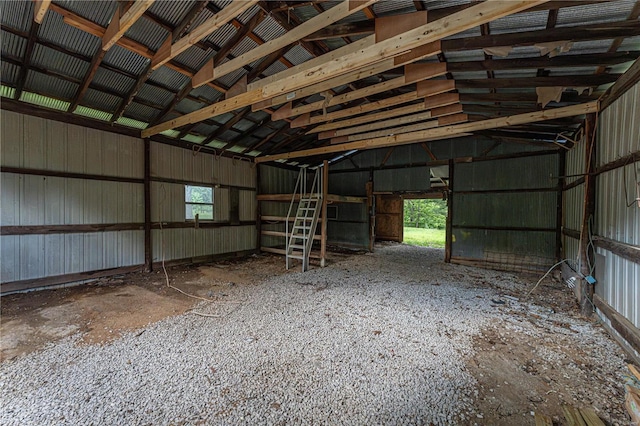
(516, 173)
(409, 179)
(38, 143)
(276, 180)
(520, 209)
(618, 130)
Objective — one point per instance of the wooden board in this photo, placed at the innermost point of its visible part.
(389, 218)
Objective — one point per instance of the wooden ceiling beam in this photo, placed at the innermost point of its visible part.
(172, 49)
(399, 121)
(413, 73)
(120, 24)
(440, 132)
(429, 103)
(587, 80)
(40, 8)
(390, 48)
(26, 60)
(210, 72)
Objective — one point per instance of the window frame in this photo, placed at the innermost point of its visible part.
(195, 203)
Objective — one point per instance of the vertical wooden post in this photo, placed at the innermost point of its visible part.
(148, 254)
(323, 226)
(449, 230)
(372, 215)
(586, 258)
(562, 167)
(258, 210)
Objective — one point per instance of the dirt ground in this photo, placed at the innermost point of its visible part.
(517, 373)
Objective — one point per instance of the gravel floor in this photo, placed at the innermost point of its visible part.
(375, 339)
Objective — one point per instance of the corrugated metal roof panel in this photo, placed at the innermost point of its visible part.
(335, 43)
(118, 82)
(194, 57)
(204, 129)
(155, 95)
(228, 136)
(514, 73)
(140, 112)
(99, 12)
(248, 14)
(12, 44)
(206, 92)
(595, 13)
(439, 4)
(9, 73)
(465, 55)
(244, 46)
(48, 85)
(148, 33)
(53, 60)
(243, 125)
(100, 100)
(472, 32)
(54, 29)
(17, 14)
(171, 11)
(230, 79)
(573, 71)
(222, 35)
(307, 12)
(395, 7)
(587, 47)
(298, 55)
(169, 78)
(125, 60)
(259, 115)
(275, 68)
(522, 52)
(356, 17)
(630, 43)
(222, 3)
(269, 29)
(186, 106)
(528, 21)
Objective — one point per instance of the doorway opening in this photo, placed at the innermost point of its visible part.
(425, 222)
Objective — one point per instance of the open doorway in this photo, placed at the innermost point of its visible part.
(425, 222)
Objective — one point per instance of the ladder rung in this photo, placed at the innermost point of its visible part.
(296, 246)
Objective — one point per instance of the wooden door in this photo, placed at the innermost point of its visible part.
(389, 218)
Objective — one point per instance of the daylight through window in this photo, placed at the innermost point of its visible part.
(198, 201)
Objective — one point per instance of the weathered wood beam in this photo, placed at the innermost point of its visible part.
(519, 98)
(120, 24)
(88, 77)
(588, 80)
(413, 73)
(40, 8)
(185, 23)
(172, 49)
(624, 83)
(210, 71)
(422, 125)
(616, 43)
(26, 61)
(441, 133)
(397, 47)
(400, 121)
(437, 101)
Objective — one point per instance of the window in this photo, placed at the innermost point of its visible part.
(198, 200)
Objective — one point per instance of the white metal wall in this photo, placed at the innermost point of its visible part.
(619, 135)
(573, 199)
(171, 169)
(29, 200)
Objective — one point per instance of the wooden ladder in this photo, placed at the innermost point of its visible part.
(300, 240)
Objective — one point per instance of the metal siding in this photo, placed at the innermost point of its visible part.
(521, 247)
(34, 142)
(618, 130)
(541, 172)
(522, 209)
(410, 179)
(248, 205)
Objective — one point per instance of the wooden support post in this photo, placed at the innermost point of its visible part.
(449, 234)
(323, 225)
(586, 258)
(562, 166)
(148, 254)
(372, 215)
(258, 210)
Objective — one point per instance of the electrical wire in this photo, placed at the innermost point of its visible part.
(545, 276)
